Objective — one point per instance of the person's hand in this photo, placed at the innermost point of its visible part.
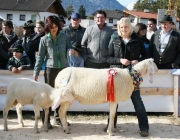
(10, 49)
(19, 69)
(14, 70)
(35, 78)
(71, 52)
(125, 62)
(134, 62)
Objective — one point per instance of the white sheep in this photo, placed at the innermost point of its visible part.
(23, 91)
(89, 86)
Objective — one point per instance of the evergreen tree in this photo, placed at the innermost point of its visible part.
(137, 5)
(82, 12)
(69, 10)
(145, 4)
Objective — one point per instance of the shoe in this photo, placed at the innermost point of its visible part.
(58, 122)
(105, 129)
(50, 126)
(68, 123)
(144, 133)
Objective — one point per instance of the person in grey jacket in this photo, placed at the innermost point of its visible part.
(53, 48)
(95, 42)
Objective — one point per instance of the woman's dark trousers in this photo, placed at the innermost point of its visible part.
(49, 77)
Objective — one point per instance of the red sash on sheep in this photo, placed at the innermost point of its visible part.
(110, 85)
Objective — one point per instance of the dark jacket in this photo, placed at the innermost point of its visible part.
(4, 47)
(75, 35)
(171, 54)
(133, 50)
(34, 47)
(23, 62)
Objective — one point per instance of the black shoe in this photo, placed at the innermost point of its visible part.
(50, 126)
(58, 122)
(68, 123)
(144, 133)
(105, 129)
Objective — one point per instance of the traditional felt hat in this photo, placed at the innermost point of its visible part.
(61, 18)
(18, 48)
(166, 18)
(29, 24)
(77, 47)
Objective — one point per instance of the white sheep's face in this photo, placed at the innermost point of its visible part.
(152, 68)
(64, 96)
(67, 96)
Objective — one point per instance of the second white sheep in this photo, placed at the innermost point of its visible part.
(23, 91)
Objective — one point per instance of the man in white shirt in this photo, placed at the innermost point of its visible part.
(151, 27)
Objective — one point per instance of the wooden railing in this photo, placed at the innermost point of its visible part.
(146, 89)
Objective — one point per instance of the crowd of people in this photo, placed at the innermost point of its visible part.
(57, 46)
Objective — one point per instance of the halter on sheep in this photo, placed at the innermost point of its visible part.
(89, 86)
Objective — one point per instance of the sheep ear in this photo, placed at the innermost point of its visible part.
(56, 102)
(150, 75)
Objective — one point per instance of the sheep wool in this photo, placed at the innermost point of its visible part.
(89, 86)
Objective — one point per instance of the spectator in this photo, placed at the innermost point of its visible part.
(141, 30)
(1, 20)
(95, 42)
(39, 29)
(164, 45)
(7, 38)
(124, 50)
(28, 31)
(53, 46)
(174, 26)
(75, 31)
(75, 59)
(18, 62)
(62, 21)
(151, 27)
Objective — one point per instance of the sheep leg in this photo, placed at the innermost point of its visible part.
(112, 112)
(19, 114)
(9, 104)
(37, 116)
(62, 114)
(46, 110)
(5, 113)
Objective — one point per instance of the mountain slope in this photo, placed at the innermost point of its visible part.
(93, 5)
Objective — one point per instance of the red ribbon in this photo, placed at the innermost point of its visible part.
(110, 85)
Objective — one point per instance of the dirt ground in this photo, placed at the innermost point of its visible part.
(89, 126)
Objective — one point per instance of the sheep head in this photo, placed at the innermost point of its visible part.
(148, 67)
(64, 95)
(152, 68)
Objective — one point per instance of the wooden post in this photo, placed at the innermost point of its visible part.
(176, 96)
